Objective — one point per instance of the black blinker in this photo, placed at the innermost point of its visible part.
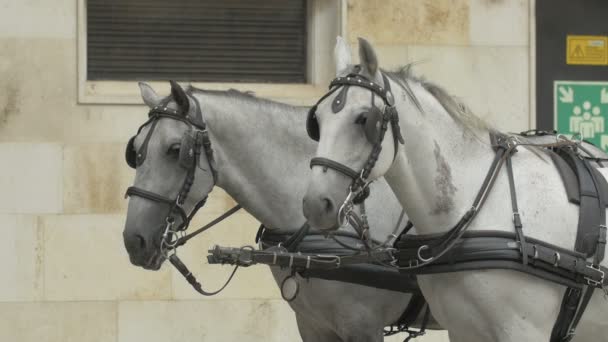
(131, 154)
(312, 125)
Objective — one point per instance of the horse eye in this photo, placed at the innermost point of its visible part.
(361, 119)
(174, 149)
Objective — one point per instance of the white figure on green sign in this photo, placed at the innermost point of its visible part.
(581, 110)
(597, 119)
(587, 127)
(582, 121)
(575, 120)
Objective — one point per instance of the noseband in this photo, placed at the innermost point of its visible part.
(359, 187)
(195, 140)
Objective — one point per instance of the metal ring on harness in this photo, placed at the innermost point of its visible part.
(346, 208)
(420, 257)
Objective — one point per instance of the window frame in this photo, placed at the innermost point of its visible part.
(326, 20)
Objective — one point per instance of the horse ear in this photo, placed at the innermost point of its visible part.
(180, 97)
(151, 99)
(368, 58)
(342, 55)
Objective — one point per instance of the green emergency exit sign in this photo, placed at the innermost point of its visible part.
(582, 108)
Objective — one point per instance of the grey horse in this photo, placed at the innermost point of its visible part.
(261, 153)
(436, 173)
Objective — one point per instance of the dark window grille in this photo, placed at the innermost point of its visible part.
(197, 40)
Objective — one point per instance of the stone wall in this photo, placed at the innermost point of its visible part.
(476, 49)
(66, 275)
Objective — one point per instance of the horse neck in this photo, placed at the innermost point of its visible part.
(261, 153)
(440, 168)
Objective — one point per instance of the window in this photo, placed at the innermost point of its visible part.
(210, 44)
(197, 40)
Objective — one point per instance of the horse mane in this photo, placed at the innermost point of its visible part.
(247, 97)
(229, 92)
(455, 108)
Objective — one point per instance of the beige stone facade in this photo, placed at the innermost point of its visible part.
(65, 272)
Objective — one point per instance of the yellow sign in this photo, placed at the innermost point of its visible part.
(587, 50)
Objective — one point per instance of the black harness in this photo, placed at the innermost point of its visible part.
(335, 259)
(298, 251)
(458, 250)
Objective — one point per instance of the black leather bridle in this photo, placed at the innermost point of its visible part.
(198, 139)
(195, 141)
(359, 187)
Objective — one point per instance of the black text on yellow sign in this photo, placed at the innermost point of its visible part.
(587, 50)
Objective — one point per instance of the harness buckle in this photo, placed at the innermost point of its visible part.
(569, 335)
(517, 220)
(593, 282)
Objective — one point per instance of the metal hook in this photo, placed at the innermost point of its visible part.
(422, 248)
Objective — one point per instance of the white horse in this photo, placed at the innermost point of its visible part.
(261, 154)
(436, 175)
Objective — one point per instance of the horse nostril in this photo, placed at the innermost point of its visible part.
(329, 205)
(140, 241)
(135, 243)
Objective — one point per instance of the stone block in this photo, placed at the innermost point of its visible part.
(31, 178)
(213, 320)
(391, 57)
(96, 178)
(492, 81)
(58, 322)
(409, 22)
(52, 19)
(21, 250)
(499, 23)
(85, 259)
